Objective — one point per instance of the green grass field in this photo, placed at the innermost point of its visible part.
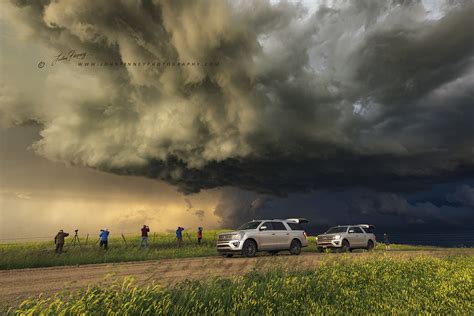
(41, 254)
(379, 285)
(163, 246)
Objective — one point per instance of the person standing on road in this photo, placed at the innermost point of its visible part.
(179, 235)
(386, 241)
(59, 241)
(144, 240)
(104, 238)
(199, 235)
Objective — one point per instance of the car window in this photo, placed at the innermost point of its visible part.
(355, 230)
(369, 230)
(268, 225)
(295, 226)
(278, 226)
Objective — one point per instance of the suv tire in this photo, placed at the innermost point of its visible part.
(249, 249)
(295, 247)
(345, 246)
(320, 249)
(370, 245)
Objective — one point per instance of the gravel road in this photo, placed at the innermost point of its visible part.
(16, 285)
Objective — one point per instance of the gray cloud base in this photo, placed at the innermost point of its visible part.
(372, 94)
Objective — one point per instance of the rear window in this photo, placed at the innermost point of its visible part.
(369, 230)
(295, 226)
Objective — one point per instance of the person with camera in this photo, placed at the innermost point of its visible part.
(199, 235)
(144, 240)
(59, 241)
(104, 238)
(179, 235)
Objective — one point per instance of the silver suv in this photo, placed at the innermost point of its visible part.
(347, 238)
(272, 235)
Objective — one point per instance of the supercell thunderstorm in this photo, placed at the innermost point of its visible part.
(361, 93)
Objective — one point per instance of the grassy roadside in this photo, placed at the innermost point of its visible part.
(41, 254)
(164, 246)
(381, 285)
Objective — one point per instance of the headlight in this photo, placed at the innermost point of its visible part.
(236, 236)
(337, 237)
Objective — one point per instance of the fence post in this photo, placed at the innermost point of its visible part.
(124, 240)
(189, 237)
(87, 238)
(154, 234)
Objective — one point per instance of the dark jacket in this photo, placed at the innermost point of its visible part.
(145, 231)
(59, 239)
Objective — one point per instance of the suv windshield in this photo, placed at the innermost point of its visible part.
(249, 225)
(334, 230)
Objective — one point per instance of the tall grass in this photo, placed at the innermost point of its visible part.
(163, 246)
(42, 254)
(422, 285)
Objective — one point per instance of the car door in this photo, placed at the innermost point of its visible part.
(266, 236)
(360, 237)
(353, 236)
(282, 236)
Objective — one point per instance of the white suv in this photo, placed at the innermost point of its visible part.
(272, 235)
(347, 238)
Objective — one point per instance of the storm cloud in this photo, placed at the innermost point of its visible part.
(375, 94)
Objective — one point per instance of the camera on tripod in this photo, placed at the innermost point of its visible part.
(76, 239)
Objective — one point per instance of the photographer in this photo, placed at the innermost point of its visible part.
(59, 241)
(144, 240)
(104, 238)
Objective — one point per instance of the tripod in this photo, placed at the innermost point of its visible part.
(76, 239)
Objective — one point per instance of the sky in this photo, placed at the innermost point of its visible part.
(338, 111)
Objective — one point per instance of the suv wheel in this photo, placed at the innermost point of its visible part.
(345, 246)
(249, 249)
(295, 247)
(320, 249)
(370, 245)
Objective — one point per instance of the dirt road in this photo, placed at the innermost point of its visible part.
(16, 285)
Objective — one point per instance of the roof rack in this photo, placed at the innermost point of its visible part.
(365, 225)
(297, 220)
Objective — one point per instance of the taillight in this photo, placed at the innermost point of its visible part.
(305, 236)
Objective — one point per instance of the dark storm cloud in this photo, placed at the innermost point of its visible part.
(357, 205)
(200, 214)
(464, 195)
(366, 93)
(237, 206)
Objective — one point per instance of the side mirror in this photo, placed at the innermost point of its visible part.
(263, 228)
